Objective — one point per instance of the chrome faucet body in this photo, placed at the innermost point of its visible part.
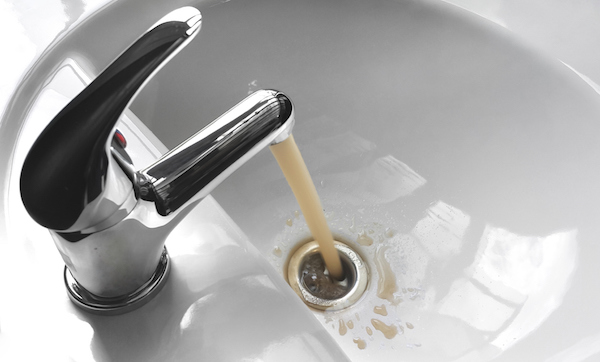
(110, 221)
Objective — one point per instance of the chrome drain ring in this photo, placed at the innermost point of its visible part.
(356, 277)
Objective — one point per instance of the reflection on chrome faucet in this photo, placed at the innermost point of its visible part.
(109, 221)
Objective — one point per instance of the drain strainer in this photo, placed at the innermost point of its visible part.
(310, 279)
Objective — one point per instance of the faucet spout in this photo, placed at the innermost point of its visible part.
(194, 168)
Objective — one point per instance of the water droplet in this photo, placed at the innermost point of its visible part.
(363, 239)
(352, 226)
(360, 343)
(389, 332)
(380, 310)
(386, 285)
(343, 328)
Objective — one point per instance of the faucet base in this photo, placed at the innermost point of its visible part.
(118, 305)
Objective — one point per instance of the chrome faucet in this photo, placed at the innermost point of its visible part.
(109, 221)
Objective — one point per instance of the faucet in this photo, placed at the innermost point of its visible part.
(110, 221)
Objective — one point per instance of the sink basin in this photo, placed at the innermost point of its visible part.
(461, 164)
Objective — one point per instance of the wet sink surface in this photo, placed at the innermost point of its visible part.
(461, 164)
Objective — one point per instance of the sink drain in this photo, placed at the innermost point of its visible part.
(310, 279)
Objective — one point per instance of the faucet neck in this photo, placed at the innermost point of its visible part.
(194, 168)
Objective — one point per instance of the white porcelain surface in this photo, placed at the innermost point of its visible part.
(567, 30)
(468, 158)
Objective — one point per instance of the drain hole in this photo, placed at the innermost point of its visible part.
(318, 282)
(310, 279)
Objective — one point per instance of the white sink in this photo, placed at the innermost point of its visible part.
(469, 160)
